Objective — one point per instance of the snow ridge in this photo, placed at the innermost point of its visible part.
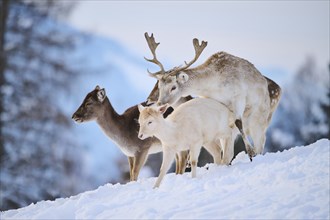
(293, 184)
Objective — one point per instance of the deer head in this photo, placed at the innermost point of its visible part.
(91, 107)
(171, 82)
(149, 119)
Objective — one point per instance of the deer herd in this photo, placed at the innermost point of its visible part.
(231, 97)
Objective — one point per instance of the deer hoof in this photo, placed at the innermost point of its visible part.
(251, 153)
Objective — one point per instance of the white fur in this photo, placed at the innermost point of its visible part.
(198, 122)
(101, 95)
(232, 81)
(183, 77)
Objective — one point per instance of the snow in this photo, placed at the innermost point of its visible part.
(293, 184)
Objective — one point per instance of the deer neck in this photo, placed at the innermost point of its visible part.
(110, 122)
(166, 132)
(198, 83)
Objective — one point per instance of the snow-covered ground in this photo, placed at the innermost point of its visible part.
(293, 184)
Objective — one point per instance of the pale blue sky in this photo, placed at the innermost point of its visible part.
(267, 33)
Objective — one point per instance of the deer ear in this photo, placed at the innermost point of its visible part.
(97, 87)
(162, 109)
(140, 107)
(101, 95)
(182, 77)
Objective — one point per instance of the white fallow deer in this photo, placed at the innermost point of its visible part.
(153, 98)
(199, 122)
(122, 130)
(215, 147)
(226, 78)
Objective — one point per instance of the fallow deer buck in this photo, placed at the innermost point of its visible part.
(231, 80)
(122, 130)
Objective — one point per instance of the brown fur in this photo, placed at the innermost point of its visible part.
(275, 93)
(122, 129)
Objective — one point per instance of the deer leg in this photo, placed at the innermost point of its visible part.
(214, 149)
(177, 163)
(258, 130)
(239, 110)
(228, 149)
(168, 156)
(183, 155)
(248, 147)
(185, 161)
(139, 160)
(130, 163)
(228, 146)
(259, 138)
(188, 163)
(194, 153)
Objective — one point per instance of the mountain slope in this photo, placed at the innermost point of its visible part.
(291, 184)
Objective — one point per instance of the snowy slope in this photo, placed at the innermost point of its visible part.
(291, 184)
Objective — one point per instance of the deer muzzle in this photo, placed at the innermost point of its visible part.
(77, 118)
(141, 136)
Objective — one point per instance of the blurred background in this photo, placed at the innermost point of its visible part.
(54, 52)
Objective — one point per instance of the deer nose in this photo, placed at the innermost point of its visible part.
(140, 136)
(76, 116)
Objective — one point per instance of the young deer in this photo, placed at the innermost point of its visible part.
(199, 122)
(152, 99)
(218, 156)
(231, 80)
(122, 130)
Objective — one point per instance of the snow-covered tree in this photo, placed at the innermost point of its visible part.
(301, 119)
(325, 106)
(38, 159)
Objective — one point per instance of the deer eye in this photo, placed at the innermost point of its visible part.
(88, 104)
(150, 122)
(173, 88)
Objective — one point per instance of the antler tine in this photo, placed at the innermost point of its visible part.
(153, 46)
(198, 51)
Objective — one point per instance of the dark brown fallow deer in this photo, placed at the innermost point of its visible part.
(122, 129)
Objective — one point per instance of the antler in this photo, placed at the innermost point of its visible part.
(198, 51)
(153, 45)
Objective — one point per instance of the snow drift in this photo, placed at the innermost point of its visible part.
(290, 184)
